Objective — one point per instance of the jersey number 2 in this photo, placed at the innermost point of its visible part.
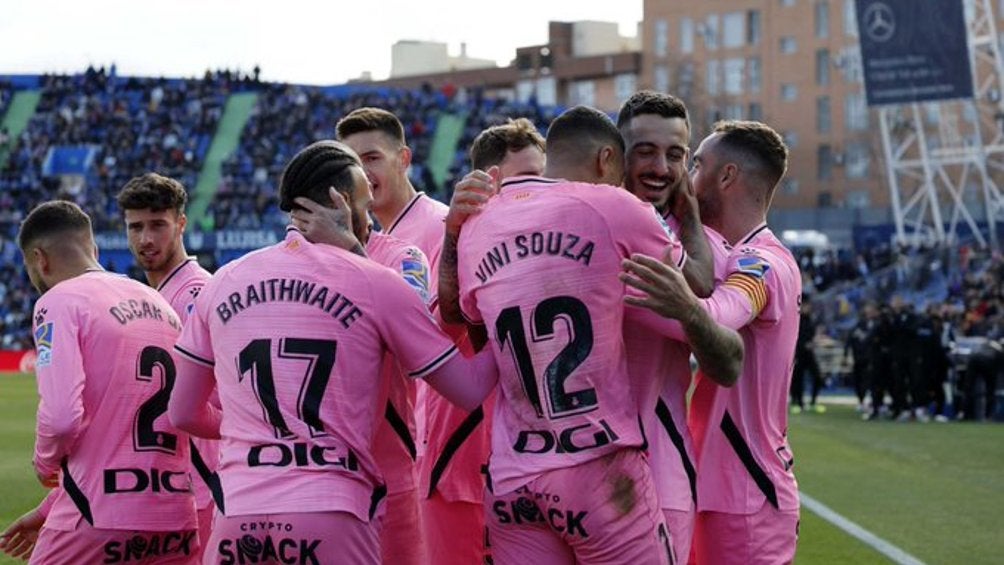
(145, 437)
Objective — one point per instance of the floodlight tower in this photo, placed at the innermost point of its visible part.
(945, 159)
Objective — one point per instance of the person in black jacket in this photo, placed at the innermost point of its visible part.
(859, 344)
(805, 360)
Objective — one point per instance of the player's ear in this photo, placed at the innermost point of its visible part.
(41, 259)
(182, 221)
(404, 154)
(728, 174)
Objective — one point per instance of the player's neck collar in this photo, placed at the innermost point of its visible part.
(752, 235)
(404, 212)
(526, 179)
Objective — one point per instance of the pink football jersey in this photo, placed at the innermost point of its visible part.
(182, 286)
(105, 372)
(180, 289)
(661, 375)
(456, 443)
(394, 447)
(539, 266)
(421, 224)
(297, 333)
(741, 433)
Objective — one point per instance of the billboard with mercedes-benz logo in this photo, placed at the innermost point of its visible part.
(914, 50)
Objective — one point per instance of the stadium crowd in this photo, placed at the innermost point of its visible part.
(736, 430)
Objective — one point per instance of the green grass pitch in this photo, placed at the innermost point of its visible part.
(934, 490)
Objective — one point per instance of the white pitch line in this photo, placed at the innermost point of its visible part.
(897, 555)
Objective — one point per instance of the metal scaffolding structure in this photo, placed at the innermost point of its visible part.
(945, 160)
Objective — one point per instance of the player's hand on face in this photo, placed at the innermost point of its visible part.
(469, 197)
(320, 224)
(663, 288)
(19, 538)
(684, 198)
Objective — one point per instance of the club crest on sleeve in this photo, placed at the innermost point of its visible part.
(417, 275)
(43, 344)
(40, 316)
(753, 266)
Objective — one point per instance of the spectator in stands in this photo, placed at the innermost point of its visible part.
(860, 344)
(805, 361)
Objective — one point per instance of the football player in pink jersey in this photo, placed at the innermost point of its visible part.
(294, 336)
(454, 443)
(104, 374)
(153, 209)
(567, 442)
(656, 130)
(394, 446)
(747, 496)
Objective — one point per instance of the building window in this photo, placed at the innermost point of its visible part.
(754, 74)
(524, 91)
(756, 112)
(859, 199)
(734, 112)
(753, 27)
(524, 62)
(823, 67)
(787, 2)
(661, 82)
(822, 11)
(711, 32)
(584, 93)
(824, 162)
(789, 92)
(624, 86)
(686, 79)
(789, 187)
(686, 35)
(547, 91)
(856, 161)
(824, 118)
(850, 19)
(824, 199)
(849, 63)
(733, 30)
(855, 112)
(788, 45)
(790, 139)
(734, 75)
(713, 72)
(661, 33)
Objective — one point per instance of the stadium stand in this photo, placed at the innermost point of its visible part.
(92, 131)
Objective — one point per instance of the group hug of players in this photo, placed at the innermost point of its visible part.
(503, 379)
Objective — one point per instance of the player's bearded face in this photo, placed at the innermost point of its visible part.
(360, 200)
(656, 158)
(154, 237)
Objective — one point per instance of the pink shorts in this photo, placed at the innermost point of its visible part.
(307, 537)
(604, 511)
(87, 544)
(681, 531)
(455, 532)
(401, 539)
(768, 536)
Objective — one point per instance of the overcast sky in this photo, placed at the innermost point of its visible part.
(322, 42)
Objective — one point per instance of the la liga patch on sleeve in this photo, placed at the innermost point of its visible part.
(417, 275)
(43, 344)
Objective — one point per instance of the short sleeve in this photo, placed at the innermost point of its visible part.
(408, 329)
(413, 267)
(196, 342)
(184, 302)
